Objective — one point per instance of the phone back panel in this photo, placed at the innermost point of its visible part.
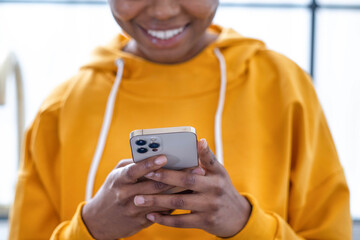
(180, 148)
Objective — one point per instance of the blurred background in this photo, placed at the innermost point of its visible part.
(50, 39)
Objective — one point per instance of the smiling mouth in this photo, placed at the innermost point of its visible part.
(165, 34)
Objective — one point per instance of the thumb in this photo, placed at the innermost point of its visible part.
(207, 158)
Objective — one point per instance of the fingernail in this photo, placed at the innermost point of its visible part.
(150, 217)
(150, 174)
(203, 143)
(199, 171)
(139, 200)
(160, 160)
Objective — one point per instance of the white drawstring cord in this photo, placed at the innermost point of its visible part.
(110, 109)
(104, 131)
(219, 110)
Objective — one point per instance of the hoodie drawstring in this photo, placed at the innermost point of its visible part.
(220, 107)
(104, 130)
(110, 109)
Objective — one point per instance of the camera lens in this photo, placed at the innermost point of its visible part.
(142, 150)
(140, 142)
(154, 145)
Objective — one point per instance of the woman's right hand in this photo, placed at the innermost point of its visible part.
(111, 213)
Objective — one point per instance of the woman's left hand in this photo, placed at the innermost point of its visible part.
(215, 204)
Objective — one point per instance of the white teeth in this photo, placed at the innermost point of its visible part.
(167, 34)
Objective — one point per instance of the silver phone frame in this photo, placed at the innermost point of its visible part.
(141, 132)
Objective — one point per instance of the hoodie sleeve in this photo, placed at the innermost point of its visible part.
(35, 212)
(318, 195)
(74, 229)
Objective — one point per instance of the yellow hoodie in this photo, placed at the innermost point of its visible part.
(277, 147)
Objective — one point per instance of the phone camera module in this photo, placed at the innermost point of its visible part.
(142, 150)
(154, 145)
(140, 142)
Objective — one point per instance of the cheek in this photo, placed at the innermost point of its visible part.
(126, 10)
(201, 9)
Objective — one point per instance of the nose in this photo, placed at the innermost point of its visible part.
(164, 9)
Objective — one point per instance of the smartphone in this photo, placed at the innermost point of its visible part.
(178, 144)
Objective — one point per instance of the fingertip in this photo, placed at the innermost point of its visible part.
(160, 160)
(139, 200)
(150, 174)
(150, 217)
(206, 156)
(199, 171)
(203, 144)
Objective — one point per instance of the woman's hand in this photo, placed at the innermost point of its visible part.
(111, 214)
(215, 204)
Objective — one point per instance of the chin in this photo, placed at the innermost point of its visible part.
(168, 57)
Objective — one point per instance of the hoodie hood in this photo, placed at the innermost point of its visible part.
(229, 42)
